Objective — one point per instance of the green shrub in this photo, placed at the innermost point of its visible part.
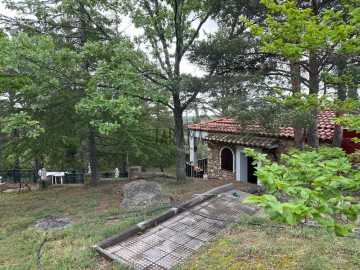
(312, 184)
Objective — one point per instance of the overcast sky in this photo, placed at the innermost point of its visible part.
(5, 11)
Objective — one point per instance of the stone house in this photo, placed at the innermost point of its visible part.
(226, 142)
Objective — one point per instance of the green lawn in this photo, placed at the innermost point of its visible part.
(244, 246)
(257, 244)
(68, 248)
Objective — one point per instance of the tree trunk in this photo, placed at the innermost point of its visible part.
(123, 166)
(15, 131)
(299, 140)
(197, 114)
(341, 93)
(338, 133)
(179, 140)
(224, 95)
(93, 156)
(38, 164)
(313, 134)
(15, 137)
(93, 152)
(353, 92)
(178, 109)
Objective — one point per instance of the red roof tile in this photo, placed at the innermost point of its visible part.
(242, 140)
(230, 125)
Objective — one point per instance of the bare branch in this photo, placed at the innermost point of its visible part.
(190, 99)
(151, 100)
(187, 46)
(99, 27)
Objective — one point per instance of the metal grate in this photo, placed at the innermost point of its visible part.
(176, 239)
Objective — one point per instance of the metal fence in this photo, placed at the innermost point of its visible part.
(19, 175)
(32, 176)
(203, 165)
(197, 171)
(112, 175)
(74, 178)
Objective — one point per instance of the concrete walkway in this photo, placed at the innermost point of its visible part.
(178, 237)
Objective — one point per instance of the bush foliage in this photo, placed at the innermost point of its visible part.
(312, 184)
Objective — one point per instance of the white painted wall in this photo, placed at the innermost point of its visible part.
(194, 135)
(193, 153)
(242, 163)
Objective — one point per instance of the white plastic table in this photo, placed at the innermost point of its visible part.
(55, 176)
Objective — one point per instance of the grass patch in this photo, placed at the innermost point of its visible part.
(68, 248)
(169, 170)
(258, 244)
(249, 244)
(90, 208)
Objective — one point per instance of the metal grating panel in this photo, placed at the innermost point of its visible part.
(177, 238)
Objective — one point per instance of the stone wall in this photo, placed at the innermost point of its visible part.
(214, 169)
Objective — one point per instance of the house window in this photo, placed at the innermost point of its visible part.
(226, 159)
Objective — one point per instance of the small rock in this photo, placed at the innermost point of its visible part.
(256, 190)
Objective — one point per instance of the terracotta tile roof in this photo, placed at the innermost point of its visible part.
(246, 140)
(230, 125)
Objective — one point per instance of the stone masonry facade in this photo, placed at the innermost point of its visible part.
(214, 167)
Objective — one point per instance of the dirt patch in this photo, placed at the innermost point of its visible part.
(51, 222)
(16, 187)
(185, 190)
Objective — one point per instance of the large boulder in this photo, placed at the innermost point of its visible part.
(141, 194)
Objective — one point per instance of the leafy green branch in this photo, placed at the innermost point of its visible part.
(312, 184)
(21, 121)
(352, 123)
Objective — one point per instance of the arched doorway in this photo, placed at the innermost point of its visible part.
(227, 159)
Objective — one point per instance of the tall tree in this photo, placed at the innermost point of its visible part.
(150, 142)
(85, 53)
(232, 58)
(309, 34)
(15, 123)
(297, 41)
(169, 30)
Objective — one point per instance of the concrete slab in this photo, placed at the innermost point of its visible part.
(178, 237)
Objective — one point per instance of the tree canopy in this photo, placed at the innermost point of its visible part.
(75, 88)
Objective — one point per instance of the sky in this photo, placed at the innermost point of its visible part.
(5, 11)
